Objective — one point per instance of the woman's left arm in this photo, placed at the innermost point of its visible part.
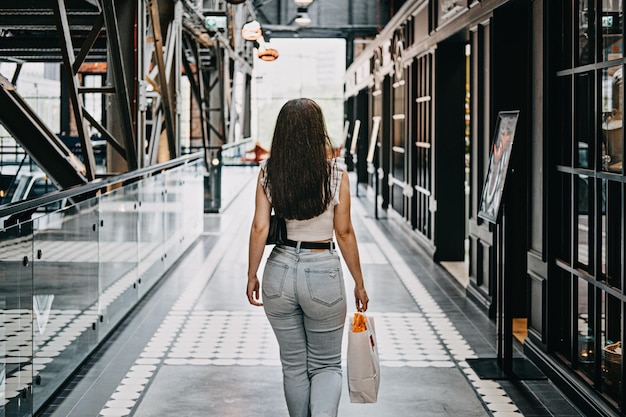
(344, 232)
(258, 236)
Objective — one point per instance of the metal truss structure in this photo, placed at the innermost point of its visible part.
(142, 49)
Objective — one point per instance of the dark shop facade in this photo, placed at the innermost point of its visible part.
(492, 132)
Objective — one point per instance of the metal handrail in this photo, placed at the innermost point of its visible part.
(229, 152)
(96, 185)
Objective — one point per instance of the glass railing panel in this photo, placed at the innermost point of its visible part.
(71, 275)
(193, 206)
(16, 368)
(150, 232)
(118, 254)
(174, 212)
(65, 294)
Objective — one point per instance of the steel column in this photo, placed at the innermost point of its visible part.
(120, 82)
(67, 51)
(166, 102)
(54, 158)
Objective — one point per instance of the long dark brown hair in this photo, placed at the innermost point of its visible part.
(298, 171)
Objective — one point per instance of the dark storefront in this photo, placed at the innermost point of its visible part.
(427, 95)
(586, 198)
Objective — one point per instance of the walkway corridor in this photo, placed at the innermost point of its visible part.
(195, 347)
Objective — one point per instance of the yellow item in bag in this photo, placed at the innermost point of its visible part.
(359, 323)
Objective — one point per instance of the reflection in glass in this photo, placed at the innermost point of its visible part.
(564, 238)
(586, 32)
(611, 238)
(174, 212)
(584, 120)
(611, 29)
(603, 227)
(3, 353)
(586, 328)
(565, 286)
(16, 327)
(612, 131)
(117, 253)
(584, 225)
(564, 154)
(611, 346)
(151, 238)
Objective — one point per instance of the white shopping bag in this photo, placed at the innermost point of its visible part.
(363, 365)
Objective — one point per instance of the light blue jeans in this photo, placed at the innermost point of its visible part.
(305, 301)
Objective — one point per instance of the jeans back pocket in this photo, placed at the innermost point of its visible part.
(274, 279)
(325, 285)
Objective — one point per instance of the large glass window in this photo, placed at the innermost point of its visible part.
(589, 200)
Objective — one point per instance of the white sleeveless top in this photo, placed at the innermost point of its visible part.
(318, 228)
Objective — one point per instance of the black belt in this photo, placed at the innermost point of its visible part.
(310, 245)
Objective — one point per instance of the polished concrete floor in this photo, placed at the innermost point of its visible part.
(195, 347)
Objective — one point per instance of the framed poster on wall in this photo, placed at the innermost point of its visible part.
(501, 147)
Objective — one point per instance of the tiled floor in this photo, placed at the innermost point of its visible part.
(194, 347)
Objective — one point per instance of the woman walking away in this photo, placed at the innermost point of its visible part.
(303, 290)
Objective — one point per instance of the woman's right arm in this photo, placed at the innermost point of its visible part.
(346, 239)
(258, 236)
